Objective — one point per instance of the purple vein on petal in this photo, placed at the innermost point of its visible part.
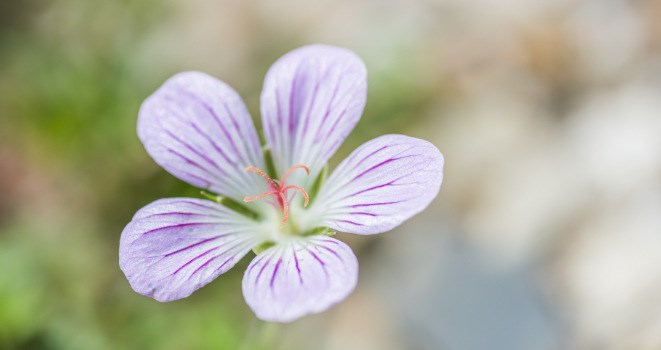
(275, 132)
(240, 132)
(193, 245)
(333, 128)
(229, 138)
(193, 259)
(377, 151)
(330, 241)
(343, 131)
(278, 108)
(236, 125)
(192, 149)
(351, 222)
(330, 105)
(317, 258)
(213, 114)
(380, 165)
(226, 133)
(321, 262)
(256, 263)
(292, 98)
(336, 143)
(197, 129)
(275, 272)
(204, 265)
(333, 252)
(369, 189)
(391, 183)
(362, 213)
(204, 241)
(375, 204)
(203, 204)
(229, 250)
(190, 161)
(179, 213)
(224, 263)
(298, 268)
(368, 156)
(178, 226)
(189, 174)
(212, 142)
(259, 274)
(292, 94)
(306, 122)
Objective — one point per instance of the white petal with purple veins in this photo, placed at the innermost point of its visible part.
(380, 185)
(174, 246)
(311, 100)
(198, 129)
(301, 276)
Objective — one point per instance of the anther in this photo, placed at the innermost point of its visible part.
(278, 188)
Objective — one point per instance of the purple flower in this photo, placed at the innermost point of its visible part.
(198, 129)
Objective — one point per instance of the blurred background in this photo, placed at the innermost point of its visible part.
(546, 233)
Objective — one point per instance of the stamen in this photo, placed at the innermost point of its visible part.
(285, 210)
(261, 173)
(259, 196)
(278, 188)
(297, 166)
(294, 187)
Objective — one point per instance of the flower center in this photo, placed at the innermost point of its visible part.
(279, 189)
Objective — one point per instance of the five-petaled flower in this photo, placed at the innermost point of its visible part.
(198, 129)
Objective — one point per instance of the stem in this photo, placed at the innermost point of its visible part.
(260, 335)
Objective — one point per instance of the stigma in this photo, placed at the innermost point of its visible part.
(278, 188)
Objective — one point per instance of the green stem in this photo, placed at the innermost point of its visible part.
(260, 335)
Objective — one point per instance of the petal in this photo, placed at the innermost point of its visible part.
(380, 185)
(311, 100)
(303, 276)
(198, 129)
(174, 246)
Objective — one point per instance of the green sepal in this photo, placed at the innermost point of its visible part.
(316, 186)
(321, 230)
(268, 162)
(210, 196)
(231, 204)
(238, 207)
(262, 247)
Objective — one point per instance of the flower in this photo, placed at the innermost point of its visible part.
(199, 130)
